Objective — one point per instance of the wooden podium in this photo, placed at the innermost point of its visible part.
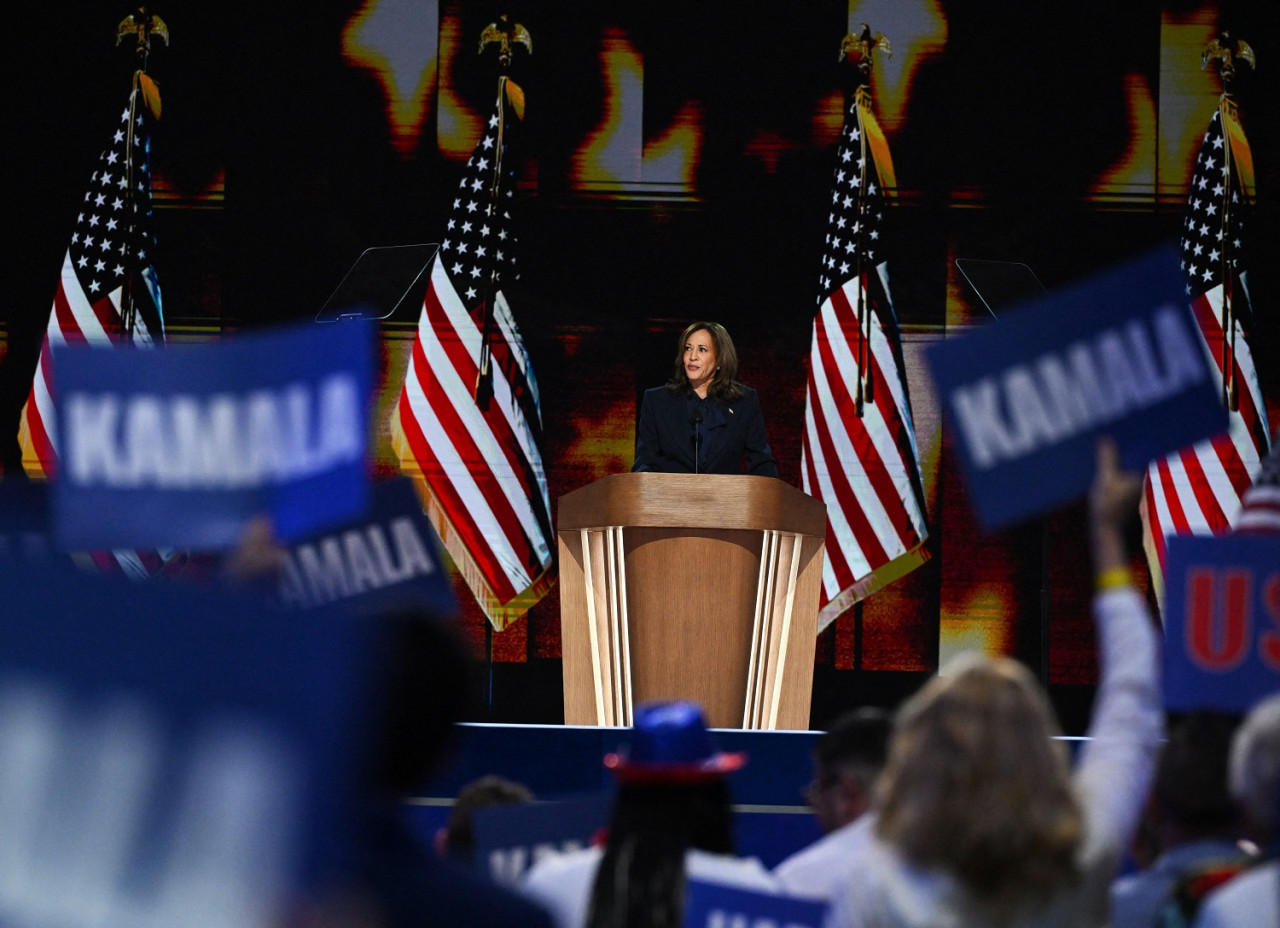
(690, 586)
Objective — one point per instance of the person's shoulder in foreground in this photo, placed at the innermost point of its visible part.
(414, 888)
(463, 898)
(821, 869)
(1137, 898)
(561, 883)
(739, 872)
(1250, 900)
(1027, 843)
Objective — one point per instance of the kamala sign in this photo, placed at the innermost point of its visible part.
(173, 755)
(1028, 396)
(715, 905)
(387, 559)
(180, 446)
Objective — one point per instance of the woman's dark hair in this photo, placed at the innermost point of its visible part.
(484, 793)
(724, 381)
(640, 883)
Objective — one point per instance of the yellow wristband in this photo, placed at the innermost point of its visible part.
(1113, 578)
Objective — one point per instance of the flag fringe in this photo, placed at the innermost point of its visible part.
(499, 614)
(30, 458)
(873, 582)
(1151, 552)
(1241, 153)
(877, 144)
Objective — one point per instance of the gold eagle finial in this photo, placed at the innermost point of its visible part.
(142, 25)
(507, 34)
(858, 48)
(1227, 49)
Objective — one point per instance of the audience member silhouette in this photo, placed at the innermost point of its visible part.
(456, 841)
(427, 684)
(1189, 819)
(671, 821)
(1252, 898)
(846, 762)
(979, 821)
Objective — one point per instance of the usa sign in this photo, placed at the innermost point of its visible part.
(1222, 622)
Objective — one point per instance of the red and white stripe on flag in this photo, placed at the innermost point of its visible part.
(480, 471)
(863, 467)
(106, 275)
(76, 319)
(1198, 490)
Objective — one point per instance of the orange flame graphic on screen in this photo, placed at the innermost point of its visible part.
(918, 29)
(1134, 174)
(1164, 138)
(396, 41)
(614, 157)
(457, 124)
(671, 159)
(610, 155)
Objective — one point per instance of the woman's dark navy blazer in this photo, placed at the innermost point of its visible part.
(664, 438)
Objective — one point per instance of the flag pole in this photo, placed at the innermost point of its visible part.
(1227, 50)
(858, 50)
(505, 34)
(141, 25)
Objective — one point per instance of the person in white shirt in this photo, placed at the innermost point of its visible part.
(847, 759)
(672, 821)
(1253, 897)
(1189, 822)
(978, 819)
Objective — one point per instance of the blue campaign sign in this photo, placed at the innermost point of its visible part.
(512, 838)
(1222, 621)
(24, 519)
(172, 755)
(182, 445)
(386, 559)
(1027, 397)
(711, 905)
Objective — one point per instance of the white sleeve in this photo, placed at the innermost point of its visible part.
(561, 884)
(1118, 760)
(727, 870)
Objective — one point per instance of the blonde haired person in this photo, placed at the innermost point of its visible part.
(979, 820)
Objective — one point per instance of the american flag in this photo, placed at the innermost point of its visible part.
(859, 449)
(474, 448)
(1197, 491)
(108, 295)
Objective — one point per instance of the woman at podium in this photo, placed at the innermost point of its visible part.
(702, 420)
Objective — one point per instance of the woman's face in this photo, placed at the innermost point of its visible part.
(699, 359)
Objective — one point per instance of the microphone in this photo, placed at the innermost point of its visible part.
(696, 419)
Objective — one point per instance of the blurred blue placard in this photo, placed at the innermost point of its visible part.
(24, 519)
(1027, 397)
(509, 839)
(385, 560)
(172, 755)
(181, 446)
(1222, 621)
(712, 905)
